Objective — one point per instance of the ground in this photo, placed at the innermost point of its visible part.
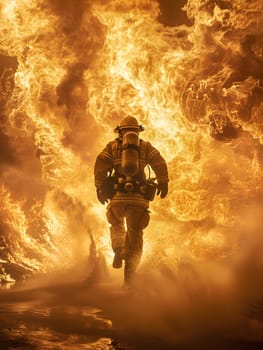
(82, 313)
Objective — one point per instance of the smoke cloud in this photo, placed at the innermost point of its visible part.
(191, 72)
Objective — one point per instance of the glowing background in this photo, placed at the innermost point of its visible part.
(194, 83)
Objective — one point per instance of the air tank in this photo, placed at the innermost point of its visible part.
(130, 153)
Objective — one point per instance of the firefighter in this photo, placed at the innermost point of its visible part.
(121, 182)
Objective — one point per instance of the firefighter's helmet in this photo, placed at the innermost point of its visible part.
(129, 122)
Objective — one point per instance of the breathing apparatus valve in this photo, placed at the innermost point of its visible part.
(129, 186)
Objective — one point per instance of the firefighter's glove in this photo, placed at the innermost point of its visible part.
(101, 196)
(162, 189)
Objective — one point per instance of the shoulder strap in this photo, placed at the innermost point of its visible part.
(143, 150)
(116, 148)
(116, 154)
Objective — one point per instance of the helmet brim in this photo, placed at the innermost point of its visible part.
(118, 128)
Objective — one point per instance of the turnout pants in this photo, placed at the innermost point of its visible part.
(127, 224)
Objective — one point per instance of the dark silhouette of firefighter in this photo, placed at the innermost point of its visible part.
(121, 182)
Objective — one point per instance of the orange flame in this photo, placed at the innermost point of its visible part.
(79, 69)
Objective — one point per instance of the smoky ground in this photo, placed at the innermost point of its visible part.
(197, 305)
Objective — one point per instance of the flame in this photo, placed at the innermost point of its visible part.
(77, 68)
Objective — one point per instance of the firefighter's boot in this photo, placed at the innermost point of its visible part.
(117, 260)
(129, 272)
